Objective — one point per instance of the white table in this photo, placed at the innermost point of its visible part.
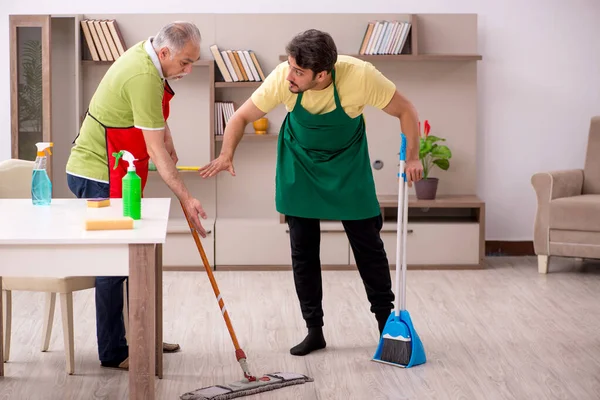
(51, 241)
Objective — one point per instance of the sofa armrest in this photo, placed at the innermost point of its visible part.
(556, 184)
(549, 186)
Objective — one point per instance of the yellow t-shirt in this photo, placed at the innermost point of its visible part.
(358, 84)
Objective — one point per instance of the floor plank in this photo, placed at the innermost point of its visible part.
(505, 332)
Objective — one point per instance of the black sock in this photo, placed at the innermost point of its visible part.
(381, 321)
(381, 324)
(313, 341)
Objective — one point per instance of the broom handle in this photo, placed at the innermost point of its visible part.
(404, 235)
(400, 228)
(213, 282)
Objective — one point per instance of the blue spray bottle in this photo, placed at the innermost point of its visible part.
(41, 186)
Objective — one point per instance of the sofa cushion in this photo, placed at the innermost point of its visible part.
(579, 238)
(577, 213)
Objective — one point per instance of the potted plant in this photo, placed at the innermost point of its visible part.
(432, 154)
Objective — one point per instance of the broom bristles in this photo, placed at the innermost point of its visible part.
(396, 350)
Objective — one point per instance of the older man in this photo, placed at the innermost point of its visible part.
(323, 169)
(129, 111)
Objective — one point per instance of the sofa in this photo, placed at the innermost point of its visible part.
(567, 220)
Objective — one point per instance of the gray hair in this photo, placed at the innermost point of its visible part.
(176, 35)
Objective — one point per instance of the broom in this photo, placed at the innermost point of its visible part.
(400, 344)
(250, 384)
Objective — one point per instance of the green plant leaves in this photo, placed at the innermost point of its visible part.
(433, 154)
(442, 163)
(432, 139)
(441, 152)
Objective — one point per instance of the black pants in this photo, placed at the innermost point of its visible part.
(110, 327)
(371, 260)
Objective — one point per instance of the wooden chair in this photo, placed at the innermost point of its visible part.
(15, 182)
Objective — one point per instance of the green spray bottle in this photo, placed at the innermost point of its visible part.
(131, 186)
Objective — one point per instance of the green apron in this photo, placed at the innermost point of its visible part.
(323, 166)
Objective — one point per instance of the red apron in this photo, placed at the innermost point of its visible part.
(132, 140)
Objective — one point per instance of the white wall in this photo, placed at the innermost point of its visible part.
(539, 83)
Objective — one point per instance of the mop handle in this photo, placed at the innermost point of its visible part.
(401, 228)
(213, 282)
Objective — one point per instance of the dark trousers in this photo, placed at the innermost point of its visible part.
(110, 327)
(371, 260)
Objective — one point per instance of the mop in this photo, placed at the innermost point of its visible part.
(250, 384)
(400, 344)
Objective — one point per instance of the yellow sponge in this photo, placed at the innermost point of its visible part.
(109, 224)
(97, 203)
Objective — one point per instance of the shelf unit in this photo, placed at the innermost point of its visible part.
(440, 45)
(411, 57)
(237, 84)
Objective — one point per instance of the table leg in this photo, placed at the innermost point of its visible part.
(159, 312)
(1, 331)
(142, 321)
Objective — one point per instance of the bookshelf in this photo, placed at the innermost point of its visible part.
(436, 69)
(412, 57)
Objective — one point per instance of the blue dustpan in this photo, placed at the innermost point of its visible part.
(401, 328)
(400, 344)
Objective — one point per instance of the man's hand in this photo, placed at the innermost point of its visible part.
(219, 164)
(155, 142)
(404, 110)
(234, 130)
(193, 208)
(413, 170)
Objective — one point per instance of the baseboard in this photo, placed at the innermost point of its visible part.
(348, 267)
(509, 248)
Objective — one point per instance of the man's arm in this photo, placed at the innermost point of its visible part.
(155, 143)
(401, 108)
(169, 144)
(264, 99)
(380, 92)
(234, 131)
(406, 112)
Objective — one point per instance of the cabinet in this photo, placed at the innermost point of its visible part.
(30, 84)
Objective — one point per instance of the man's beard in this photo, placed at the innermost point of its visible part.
(297, 88)
(175, 77)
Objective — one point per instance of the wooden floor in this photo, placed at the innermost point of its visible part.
(501, 333)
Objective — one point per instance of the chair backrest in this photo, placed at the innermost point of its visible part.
(15, 178)
(591, 175)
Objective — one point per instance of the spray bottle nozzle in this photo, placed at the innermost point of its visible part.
(42, 147)
(127, 156)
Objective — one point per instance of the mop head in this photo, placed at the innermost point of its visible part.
(400, 344)
(245, 388)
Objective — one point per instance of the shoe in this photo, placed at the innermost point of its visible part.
(170, 347)
(123, 365)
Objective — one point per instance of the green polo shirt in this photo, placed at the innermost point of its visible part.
(129, 95)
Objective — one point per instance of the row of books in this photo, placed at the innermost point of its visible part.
(237, 65)
(223, 112)
(103, 38)
(385, 37)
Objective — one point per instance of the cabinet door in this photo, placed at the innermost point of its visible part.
(30, 84)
